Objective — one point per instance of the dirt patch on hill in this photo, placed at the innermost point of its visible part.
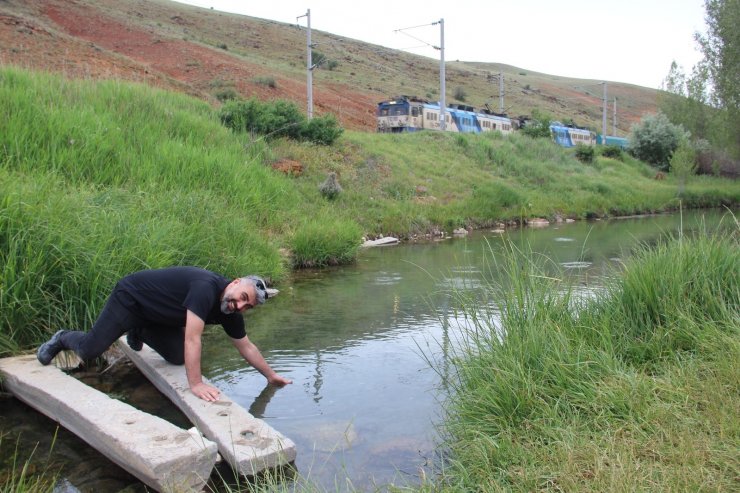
(81, 41)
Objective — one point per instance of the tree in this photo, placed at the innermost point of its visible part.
(705, 102)
(683, 163)
(654, 139)
(539, 125)
(721, 48)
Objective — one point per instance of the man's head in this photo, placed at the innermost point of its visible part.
(243, 293)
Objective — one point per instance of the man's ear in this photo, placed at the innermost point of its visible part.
(236, 281)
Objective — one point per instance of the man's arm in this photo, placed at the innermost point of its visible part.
(194, 326)
(252, 355)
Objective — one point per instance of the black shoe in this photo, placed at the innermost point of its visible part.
(132, 338)
(50, 348)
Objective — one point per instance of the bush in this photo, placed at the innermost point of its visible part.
(331, 187)
(613, 152)
(584, 153)
(278, 119)
(226, 94)
(266, 81)
(654, 139)
(538, 126)
(460, 94)
(322, 130)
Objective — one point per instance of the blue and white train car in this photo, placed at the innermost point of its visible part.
(409, 114)
(611, 140)
(567, 136)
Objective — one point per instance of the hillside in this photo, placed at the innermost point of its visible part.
(202, 52)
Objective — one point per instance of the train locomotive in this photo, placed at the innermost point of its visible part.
(408, 114)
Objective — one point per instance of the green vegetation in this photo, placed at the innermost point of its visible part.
(585, 154)
(24, 476)
(539, 125)
(267, 81)
(654, 139)
(631, 389)
(102, 179)
(706, 102)
(279, 119)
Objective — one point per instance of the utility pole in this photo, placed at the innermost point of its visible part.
(603, 122)
(501, 92)
(614, 125)
(441, 48)
(442, 89)
(309, 65)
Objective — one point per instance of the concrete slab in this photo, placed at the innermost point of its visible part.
(247, 443)
(160, 454)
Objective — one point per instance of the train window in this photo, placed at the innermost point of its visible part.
(414, 111)
(384, 112)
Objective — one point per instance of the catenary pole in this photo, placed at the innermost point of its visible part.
(603, 122)
(442, 89)
(309, 65)
(501, 92)
(614, 123)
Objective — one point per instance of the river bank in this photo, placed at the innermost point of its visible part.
(636, 389)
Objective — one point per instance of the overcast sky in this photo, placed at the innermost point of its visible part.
(631, 41)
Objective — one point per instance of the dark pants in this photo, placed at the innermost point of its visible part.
(117, 318)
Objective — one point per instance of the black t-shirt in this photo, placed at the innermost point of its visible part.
(162, 297)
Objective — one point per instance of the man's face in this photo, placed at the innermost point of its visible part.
(238, 297)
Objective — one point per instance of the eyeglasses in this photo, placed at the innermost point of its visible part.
(261, 286)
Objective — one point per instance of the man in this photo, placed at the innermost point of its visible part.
(168, 309)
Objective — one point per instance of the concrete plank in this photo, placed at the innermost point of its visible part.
(247, 443)
(158, 453)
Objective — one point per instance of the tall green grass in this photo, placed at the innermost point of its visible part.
(98, 180)
(633, 388)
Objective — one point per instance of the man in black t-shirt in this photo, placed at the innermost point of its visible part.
(168, 309)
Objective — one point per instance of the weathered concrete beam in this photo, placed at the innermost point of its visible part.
(247, 443)
(158, 453)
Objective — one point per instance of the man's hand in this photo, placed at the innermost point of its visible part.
(205, 392)
(278, 381)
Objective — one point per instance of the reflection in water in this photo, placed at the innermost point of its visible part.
(369, 346)
(258, 407)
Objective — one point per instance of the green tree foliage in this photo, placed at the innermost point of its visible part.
(683, 163)
(707, 101)
(278, 119)
(538, 125)
(322, 130)
(584, 153)
(721, 48)
(654, 139)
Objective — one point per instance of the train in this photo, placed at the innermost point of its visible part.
(411, 114)
(570, 135)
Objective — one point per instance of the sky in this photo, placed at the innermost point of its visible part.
(631, 41)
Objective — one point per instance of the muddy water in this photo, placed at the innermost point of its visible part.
(357, 342)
